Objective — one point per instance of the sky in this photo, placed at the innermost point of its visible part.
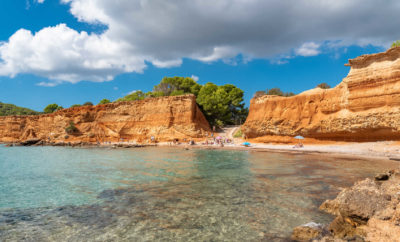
(72, 51)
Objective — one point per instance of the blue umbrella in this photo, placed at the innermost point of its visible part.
(246, 143)
(299, 137)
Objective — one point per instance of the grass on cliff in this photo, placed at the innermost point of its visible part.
(11, 109)
(238, 134)
(396, 44)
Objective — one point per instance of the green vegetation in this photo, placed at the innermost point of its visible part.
(88, 104)
(273, 91)
(323, 85)
(221, 105)
(51, 108)
(104, 101)
(71, 129)
(396, 44)
(133, 96)
(238, 134)
(11, 109)
(76, 105)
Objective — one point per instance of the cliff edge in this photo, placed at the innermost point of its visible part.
(363, 107)
(165, 118)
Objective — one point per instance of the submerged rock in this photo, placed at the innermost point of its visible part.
(307, 232)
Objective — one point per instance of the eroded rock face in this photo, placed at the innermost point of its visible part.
(364, 106)
(370, 210)
(165, 118)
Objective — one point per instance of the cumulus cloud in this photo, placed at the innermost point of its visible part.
(195, 78)
(308, 49)
(163, 32)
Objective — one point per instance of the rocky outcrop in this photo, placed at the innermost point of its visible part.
(165, 118)
(368, 211)
(364, 106)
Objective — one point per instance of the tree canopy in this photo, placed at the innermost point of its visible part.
(87, 104)
(11, 109)
(222, 105)
(324, 85)
(396, 44)
(104, 101)
(51, 108)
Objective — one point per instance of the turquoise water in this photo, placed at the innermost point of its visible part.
(166, 194)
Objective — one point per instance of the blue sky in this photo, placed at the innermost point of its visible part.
(77, 52)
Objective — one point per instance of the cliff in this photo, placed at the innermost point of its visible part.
(165, 118)
(364, 106)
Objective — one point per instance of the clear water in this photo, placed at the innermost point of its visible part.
(166, 194)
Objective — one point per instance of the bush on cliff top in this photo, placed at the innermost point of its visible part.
(51, 108)
(11, 109)
(273, 91)
(323, 85)
(104, 101)
(396, 44)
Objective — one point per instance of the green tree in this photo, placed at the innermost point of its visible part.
(104, 101)
(172, 86)
(51, 108)
(88, 104)
(136, 95)
(76, 105)
(396, 44)
(222, 104)
(59, 108)
(323, 85)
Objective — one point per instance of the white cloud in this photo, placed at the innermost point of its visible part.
(308, 49)
(195, 78)
(163, 32)
(62, 54)
(40, 1)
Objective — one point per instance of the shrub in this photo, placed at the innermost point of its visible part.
(259, 94)
(238, 134)
(104, 101)
(76, 105)
(10, 109)
(396, 44)
(88, 104)
(51, 108)
(71, 129)
(278, 92)
(323, 85)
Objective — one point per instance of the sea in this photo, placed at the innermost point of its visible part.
(168, 193)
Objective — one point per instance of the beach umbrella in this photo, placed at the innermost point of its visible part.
(299, 137)
(246, 143)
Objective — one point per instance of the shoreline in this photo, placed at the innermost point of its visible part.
(387, 150)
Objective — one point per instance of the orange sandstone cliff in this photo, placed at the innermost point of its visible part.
(165, 118)
(365, 106)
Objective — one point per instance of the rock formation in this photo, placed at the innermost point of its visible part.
(165, 118)
(368, 211)
(364, 106)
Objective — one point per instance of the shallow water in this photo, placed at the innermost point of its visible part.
(166, 194)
